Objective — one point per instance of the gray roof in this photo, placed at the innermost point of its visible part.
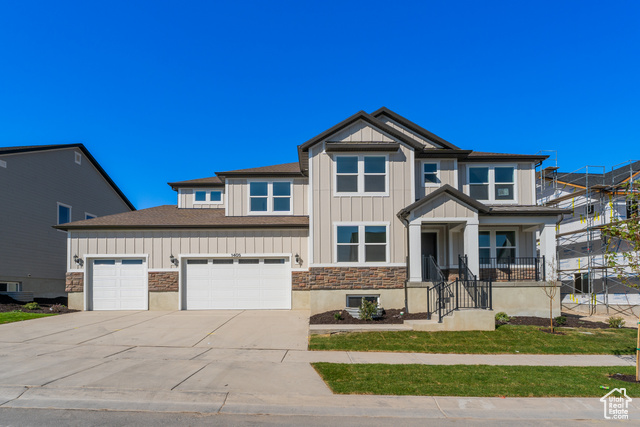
(611, 178)
(171, 217)
(525, 210)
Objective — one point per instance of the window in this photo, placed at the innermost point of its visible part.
(355, 301)
(10, 287)
(3, 164)
(498, 244)
(89, 216)
(64, 213)
(590, 209)
(208, 196)
(581, 282)
(632, 209)
(361, 243)
(492, 183)
(430, 174)
(270, 197)
(78, 158)
(361, 174)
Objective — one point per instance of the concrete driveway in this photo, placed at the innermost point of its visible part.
(156, 352)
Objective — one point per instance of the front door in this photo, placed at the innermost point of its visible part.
(429, 248)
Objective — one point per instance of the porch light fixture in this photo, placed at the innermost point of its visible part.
(174, 260)
(297, 259)
(78, 260)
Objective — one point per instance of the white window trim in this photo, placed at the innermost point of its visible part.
(269, 197)
(361, 244)
(376, 296)
(58, 213)
(92, 215)
(493, 249)
(360, 175)
(208, 200)
(492, 182)
(430, 162)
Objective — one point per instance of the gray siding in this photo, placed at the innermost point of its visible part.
(186, 199)
(160, 245)
(239, 195)
(329, 209)
(443, 207)
(30, 187)
(407, 132)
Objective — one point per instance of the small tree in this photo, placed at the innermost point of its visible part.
(625, 263)
(551, 289)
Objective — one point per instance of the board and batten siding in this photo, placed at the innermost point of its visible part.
(328, 209)
(407, 132)
(32, 184)
(447, 175)
(239, 195)
(160, 245)
(443, 206)
(186, 199)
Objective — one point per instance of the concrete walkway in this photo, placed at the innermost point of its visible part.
(234, 362)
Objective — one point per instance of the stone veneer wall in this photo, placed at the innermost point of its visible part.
(74, 282)
(327, 278)
(163, 281)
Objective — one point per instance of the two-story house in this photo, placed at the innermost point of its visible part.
(374, 208)
(41, 186)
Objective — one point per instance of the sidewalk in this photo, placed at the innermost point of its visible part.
(460, 359)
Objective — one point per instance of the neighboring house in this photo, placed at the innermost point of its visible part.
(376, 207)
(42, 186)
(595, 198)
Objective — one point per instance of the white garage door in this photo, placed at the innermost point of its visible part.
(245, 283)
(118, 284)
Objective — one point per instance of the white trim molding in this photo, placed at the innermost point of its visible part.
(492, 183)
(270, 196)
(361, 243)
(360, 175)
(438, 174)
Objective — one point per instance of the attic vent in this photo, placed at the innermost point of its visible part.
(78, 158)
(3, 164)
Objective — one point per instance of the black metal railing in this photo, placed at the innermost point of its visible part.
(444, 298)
(463, 269)
(514, 269)
(430, 270)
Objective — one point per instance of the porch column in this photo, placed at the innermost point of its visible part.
(548, 244)
(471, 247)
(415, 252)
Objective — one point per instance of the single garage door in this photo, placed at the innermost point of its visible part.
(244, 283)
(118, 284)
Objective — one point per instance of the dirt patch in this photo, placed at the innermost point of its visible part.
(624, 377)
(47, 305)
(389, 317)
(572, 322)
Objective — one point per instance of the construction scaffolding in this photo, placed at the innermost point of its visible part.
(595, 197)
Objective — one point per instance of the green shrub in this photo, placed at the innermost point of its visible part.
(32, 306)
(368, 309)
(337, 315)
(57, 308)
(502, 317)
(560, 320)
(615, 322)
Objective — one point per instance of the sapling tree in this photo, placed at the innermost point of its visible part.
(622, 255)
(551, 289)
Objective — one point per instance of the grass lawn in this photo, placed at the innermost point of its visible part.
(473, 380)
(505, 339)
(16, 316)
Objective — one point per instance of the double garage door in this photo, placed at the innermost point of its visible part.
(207, 284)
(242, 283)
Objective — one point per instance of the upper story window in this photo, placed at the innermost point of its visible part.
(361, 243)
(270, 197)
(208, 196)
(64, 213)
(431, 174)
(492, 183)
(361, 175)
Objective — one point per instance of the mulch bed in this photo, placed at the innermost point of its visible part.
(572, 322)
(624, 377)
(9, 304)
(389, 317)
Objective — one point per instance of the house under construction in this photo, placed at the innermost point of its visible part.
(596, 196)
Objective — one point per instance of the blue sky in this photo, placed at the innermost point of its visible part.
(164, 91)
